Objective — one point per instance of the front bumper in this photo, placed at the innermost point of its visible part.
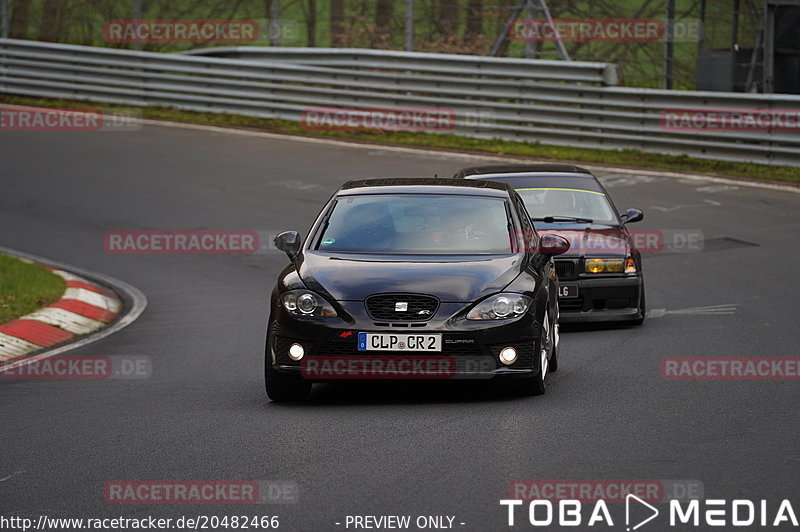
(603, 299)
(470, 350)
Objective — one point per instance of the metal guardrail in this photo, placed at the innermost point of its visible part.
(491, 98)
(358, 58)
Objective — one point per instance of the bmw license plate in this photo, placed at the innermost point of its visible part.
(399, 342)
(566, 291)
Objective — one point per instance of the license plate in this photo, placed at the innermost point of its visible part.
(431, 343)
(567, 291)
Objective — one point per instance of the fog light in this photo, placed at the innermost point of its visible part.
(296, 352)
(508, 355)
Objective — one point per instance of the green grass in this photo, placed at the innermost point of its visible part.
(26, 287)
(626, 158)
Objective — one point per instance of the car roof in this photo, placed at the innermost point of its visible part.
(528, 180)
(521, 168)
(427, 185)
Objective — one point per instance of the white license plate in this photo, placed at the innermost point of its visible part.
(399, 342)
(566, 291)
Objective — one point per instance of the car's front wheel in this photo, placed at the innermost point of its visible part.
(537, 384)
(282, 387)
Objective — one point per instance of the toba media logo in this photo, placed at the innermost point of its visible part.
(638, 513)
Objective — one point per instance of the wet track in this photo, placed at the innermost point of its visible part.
(378, 449)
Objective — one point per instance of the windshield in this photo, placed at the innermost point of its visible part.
(417, 224)
(569, 203)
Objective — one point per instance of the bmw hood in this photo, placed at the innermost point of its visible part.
(594, 240)
(347, 277)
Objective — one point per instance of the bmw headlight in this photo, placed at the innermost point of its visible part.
(500, 307)
(306, 304)
(604, 265)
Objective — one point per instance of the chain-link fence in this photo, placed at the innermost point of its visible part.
(514, 28)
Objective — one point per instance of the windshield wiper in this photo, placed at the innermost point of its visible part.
(553, 219)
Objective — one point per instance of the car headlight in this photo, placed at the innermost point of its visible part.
(307, 304)
(604, 265)
(500, 307)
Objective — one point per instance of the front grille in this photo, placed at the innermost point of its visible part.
(565, 269)
(382, 307)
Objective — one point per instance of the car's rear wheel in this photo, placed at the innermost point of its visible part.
(642, 309)
(282, 387)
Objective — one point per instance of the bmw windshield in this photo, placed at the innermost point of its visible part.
(566, 204)
(425, 224)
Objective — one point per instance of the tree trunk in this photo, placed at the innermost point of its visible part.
(337, 23)
(19, 19)
(474, 19)
(383, 17)
(311, 24)
(446, 19)
(48, 30)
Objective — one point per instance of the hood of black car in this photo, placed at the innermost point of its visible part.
(350, 277)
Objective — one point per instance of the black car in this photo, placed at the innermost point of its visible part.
(601, 276)
(415, 278)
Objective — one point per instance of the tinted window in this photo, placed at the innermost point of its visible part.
(542, 202)
(417, 224)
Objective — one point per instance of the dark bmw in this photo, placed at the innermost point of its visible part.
(415, 278)
(601, 276)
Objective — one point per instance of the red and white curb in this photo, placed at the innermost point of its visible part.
(84, 308)
(86, 312)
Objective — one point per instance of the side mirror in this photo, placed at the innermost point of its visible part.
(631, 215)
(289, 242)
(550, 245)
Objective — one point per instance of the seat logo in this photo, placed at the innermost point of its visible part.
(401, 306)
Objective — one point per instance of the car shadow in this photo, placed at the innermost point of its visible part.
(599, 326)
(376, 393)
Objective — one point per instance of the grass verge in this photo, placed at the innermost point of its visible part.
(624, 158)
(26, 287)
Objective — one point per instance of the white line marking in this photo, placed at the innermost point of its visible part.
(93, 298)
(64, 319)
(12, 475)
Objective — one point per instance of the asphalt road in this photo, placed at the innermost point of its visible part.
(378, 449)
